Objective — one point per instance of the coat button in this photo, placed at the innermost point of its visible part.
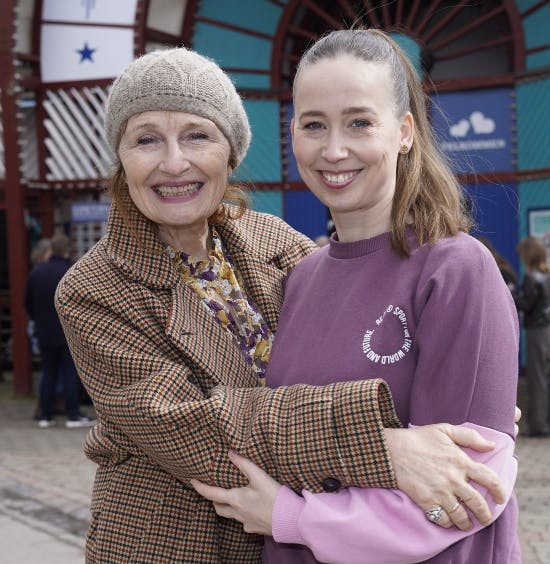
(331, 484)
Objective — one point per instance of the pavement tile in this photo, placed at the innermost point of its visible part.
(46, 482)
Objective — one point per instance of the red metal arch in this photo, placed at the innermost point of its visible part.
(432, 24)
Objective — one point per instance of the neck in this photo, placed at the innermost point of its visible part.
(194, 241)
(358, 225)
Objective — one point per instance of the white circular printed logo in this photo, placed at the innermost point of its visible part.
(405, 347)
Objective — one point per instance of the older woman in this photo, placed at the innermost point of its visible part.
(170, 319)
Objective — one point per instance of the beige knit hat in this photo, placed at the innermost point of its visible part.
(183, 81)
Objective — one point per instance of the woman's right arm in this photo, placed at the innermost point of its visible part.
(150, 404)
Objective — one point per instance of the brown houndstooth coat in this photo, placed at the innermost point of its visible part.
(173, 394)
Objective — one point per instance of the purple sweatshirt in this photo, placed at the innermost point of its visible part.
(441, 328)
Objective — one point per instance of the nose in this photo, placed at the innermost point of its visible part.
(174, 160)
(335, 148)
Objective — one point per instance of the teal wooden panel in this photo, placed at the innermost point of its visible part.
(263, 161)
(411, 48)
(269, 201)
(525, 4)
(535, 28)
(231, 48)
(533, 195)
(533, 114)
(254, 81)
(259, 15)
(538, 60)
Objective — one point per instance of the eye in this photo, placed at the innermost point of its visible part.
(360, 123)
(145, 140)
(313, 125)
(197, 136)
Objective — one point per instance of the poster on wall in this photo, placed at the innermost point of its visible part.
(475, 129)
(539, 225)
(87, 40)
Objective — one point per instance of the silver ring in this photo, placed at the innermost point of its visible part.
(434, 514)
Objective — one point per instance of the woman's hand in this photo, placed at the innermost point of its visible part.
(433, 471)
(517, 417)
(252, 505)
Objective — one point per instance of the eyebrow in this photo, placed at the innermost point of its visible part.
(347, 111)
(152, 125)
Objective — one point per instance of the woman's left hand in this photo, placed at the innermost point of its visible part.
(252, 505)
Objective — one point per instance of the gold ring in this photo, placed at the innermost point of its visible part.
(453, 508)
(466, 501)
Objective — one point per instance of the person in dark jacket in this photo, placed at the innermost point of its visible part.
(534, 301)
(56, 358)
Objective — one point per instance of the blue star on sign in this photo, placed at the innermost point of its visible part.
(86, 53)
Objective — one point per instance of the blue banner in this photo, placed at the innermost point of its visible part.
(475, 129)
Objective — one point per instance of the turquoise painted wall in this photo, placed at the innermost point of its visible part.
(533, 117)
(263, 161)
(268, 201)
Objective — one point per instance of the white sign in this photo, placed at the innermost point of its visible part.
(97, 212)
(84, 52)
(117, 12)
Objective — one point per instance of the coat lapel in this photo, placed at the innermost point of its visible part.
(205, 343)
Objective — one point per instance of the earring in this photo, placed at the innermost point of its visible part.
(404, 149)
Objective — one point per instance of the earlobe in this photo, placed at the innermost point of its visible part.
(407, 130)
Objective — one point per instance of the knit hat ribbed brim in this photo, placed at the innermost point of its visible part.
(178, 80)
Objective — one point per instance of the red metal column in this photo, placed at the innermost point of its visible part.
(15, 221)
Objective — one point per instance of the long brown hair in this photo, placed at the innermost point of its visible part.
(427, 193)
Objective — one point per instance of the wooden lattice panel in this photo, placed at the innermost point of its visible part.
(74, 134)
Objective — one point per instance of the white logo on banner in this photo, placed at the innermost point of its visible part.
(79, 52)
(119, 12)
(88, 50)
(480, 125)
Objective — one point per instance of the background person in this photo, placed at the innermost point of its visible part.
(420, 303)
(506, 269)
(534, 301)
(57, 363)
(170, 318)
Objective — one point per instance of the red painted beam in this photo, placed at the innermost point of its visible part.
(18, 263)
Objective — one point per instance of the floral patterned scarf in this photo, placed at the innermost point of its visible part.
(220, 289)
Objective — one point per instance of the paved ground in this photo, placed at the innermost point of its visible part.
(45, 484)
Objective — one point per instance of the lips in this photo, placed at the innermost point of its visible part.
(339, 179)
(175, 191)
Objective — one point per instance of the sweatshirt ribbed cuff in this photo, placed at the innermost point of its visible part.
(286, 512)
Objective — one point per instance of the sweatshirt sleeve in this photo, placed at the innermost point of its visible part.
(466, 340)
(358, 526)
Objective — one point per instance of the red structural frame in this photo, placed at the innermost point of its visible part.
(401, 16)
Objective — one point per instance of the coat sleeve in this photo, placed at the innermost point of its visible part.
(358, 525)
(150, 404)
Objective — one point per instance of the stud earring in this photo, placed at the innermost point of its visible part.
(404, 149)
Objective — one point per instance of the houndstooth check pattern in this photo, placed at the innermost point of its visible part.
(173, 394)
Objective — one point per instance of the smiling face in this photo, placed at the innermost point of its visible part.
(176, 167)
(346, 138)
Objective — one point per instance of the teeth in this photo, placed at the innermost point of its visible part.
(174, 191)
(338, 178)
